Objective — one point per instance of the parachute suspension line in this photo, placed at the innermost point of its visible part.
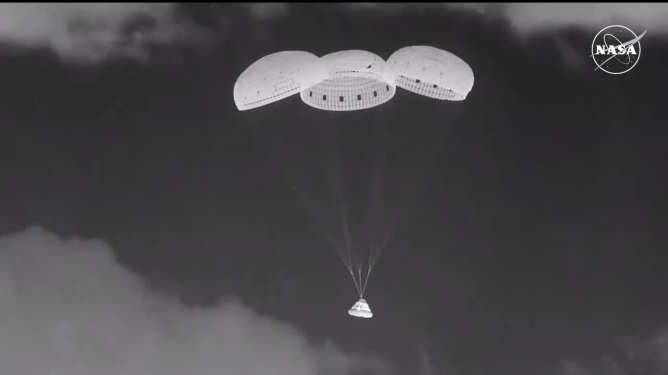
(357, 284)
(335, 178)
(344, 223)
(374, 255)
(345, 258)
(362, 287)
(308, 204)
(377, 172)
(344, 218)
(311, 208)
(388, 235)
(366, 278)
(379, 162)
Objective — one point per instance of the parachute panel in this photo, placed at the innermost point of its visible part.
(356, 81)
(431, 72)
(276, 77)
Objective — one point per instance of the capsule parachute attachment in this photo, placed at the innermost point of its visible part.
(361, 309)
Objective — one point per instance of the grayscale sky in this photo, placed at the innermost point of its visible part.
(149, 227)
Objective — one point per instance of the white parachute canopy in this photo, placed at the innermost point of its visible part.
(361, 309)
(277, 76)
(431, 72)
(356, 80)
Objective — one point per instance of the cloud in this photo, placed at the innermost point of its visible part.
(656, 348)
(425, 364)
(91, 32)
(528, 18)
(661, 345)
(264, 11)
(68, 308)
(574, 368)
(637, 356)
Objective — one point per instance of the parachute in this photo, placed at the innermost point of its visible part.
(350, 81)
(431, 72)
(356, 81)
(276, 77)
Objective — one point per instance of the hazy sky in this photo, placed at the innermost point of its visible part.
(150, 227)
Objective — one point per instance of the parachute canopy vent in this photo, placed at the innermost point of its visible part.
(361, 309)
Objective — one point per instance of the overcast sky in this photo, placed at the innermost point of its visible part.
(150, 227)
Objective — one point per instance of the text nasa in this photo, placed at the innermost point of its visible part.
(615, 50)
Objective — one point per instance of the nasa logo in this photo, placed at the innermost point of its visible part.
(616, 49)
